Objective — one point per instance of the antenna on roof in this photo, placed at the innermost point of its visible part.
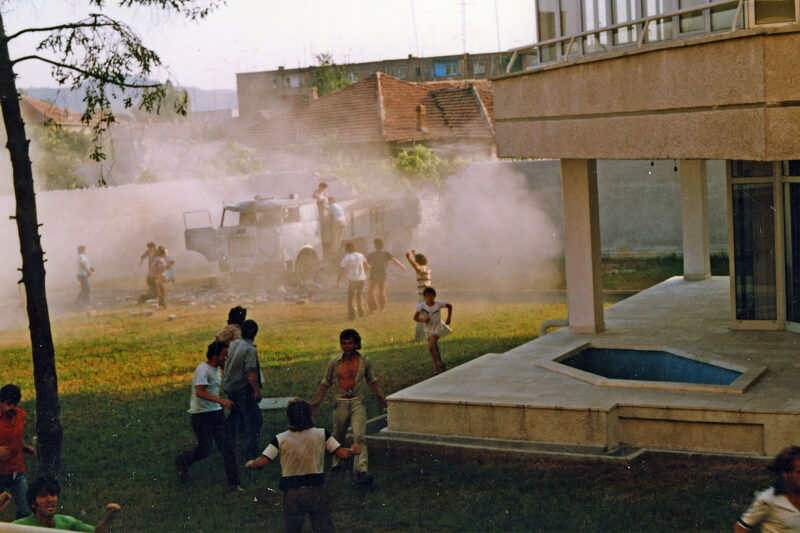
(414, 21)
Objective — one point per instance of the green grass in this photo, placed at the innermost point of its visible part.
(637, 273)
(125, 384)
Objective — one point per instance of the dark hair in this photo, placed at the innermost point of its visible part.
(351, 334)
(81, 249)
(429, 290)
(10, 394)
(237, 315)
(349, 247)
(783, 462)
(378, 243)
(161, 250)
(299, 414)
(331, 200)
(215, 348)
(249, 329)
(323, 185)
(420, 259)
(40, 486)
(151, 244)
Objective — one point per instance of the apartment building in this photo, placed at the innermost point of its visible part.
(277, 91)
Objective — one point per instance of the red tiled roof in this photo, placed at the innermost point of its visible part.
(381, 108)
(37, 112)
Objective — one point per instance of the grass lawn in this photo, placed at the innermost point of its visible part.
(125, 383)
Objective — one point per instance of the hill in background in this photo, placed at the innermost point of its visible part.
(199, 99)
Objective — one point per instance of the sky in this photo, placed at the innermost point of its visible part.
(255, 35)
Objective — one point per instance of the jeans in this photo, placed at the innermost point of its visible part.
(245, 408)
(83, 296)
(17, 486)
(354, 289)
(209, 427)
(307, 500)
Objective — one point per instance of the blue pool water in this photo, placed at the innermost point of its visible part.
(649, 365)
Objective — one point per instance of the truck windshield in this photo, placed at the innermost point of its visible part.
(262, 218)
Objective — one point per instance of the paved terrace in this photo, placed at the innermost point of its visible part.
(509, 399)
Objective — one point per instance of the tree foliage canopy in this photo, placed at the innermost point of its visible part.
(328, 77)
(99, 55)
(106, 59)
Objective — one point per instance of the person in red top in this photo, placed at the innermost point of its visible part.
(12, 446)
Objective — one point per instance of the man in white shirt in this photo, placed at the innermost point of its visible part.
(206, 407)
(355, 266)
(84, 271)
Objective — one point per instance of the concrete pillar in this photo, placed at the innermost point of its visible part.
(582, 245)
(694, 220)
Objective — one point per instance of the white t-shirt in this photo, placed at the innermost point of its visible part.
(207, 375)
(430, 310)
(83, 265)
(775, 514)
(353, 265)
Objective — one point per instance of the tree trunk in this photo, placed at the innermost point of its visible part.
(48, 427)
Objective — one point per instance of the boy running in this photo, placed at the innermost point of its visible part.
(429, 313)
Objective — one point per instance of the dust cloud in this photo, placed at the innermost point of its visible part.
(492, 232)
(484, 228)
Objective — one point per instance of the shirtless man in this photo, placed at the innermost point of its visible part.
(347, 374)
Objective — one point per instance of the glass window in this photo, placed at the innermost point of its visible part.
(661, 29)
(791, 218)
(692, 21)
(751, 169)
(722, 18)
(442, 69)
(546, 22)
(399, 73)
(772, 11)
(570, 19)
(754, 251)
(595, 15)
(790, 168)
(479, 67)
(623, 11)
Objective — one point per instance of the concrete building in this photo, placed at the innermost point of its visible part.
(689, 81)
(277, 91)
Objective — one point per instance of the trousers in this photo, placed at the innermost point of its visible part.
(210, 427)
(351, 412)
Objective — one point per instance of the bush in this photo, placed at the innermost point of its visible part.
(421, 164)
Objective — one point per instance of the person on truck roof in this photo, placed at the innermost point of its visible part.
(321, 194)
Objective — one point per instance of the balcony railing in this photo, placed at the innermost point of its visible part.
(642, 25)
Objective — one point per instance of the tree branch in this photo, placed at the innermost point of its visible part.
(62, 27)
(88, 73)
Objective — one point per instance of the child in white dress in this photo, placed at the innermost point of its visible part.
(429, 313)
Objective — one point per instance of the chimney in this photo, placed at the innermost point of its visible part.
(422, 118)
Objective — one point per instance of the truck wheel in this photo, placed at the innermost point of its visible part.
(306, 266)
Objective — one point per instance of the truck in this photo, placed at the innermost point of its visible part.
(294, 235)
